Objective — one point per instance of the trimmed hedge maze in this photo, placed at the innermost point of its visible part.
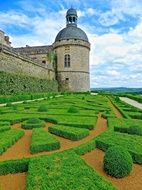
(43, 141)
(74, 116)
(64, 170)
(71, 133)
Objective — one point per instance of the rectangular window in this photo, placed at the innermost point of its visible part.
(67, 60)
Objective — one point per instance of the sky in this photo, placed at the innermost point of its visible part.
(114, 29)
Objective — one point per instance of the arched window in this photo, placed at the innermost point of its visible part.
(67, 60)
(70, 19)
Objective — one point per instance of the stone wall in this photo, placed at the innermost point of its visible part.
(36, 53)
(78, 81)
(11, 62)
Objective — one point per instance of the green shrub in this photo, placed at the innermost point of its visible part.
(9, 104)
(9, 137)
(14, 107)
(25, 102)
(64, 171)
(43, 141)
(78, 121)
(14, 166)
(73, 110)
(26, 107)
(51, 120)
(4, 123)
(117, 162)
(32, 123)
(131, 142)
(42, 108)
(33, 120)
(86, 147)
(4, 128)
(136, 130)
(71, 133)
(133, 130)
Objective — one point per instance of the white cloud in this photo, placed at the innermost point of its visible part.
(119, 10)
(91, 11)
(129, 7)
(117, 58)
(14, 18)
(110, 18)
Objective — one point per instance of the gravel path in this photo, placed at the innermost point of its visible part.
(131, 102)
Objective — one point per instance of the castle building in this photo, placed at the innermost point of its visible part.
(71, 47)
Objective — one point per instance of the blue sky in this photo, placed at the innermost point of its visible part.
(114, 28)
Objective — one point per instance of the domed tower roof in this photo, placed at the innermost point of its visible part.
(71, 31)
(71, 11)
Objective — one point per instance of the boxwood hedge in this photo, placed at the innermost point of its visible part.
(32, 123)
(64, 170)
(8, 138)
(43, 141)
(71, 133)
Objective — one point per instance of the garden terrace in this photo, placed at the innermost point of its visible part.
(76, 134)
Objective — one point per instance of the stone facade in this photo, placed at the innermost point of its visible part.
(77, 75)
(4, 39)
(36, 53)
(11, 62)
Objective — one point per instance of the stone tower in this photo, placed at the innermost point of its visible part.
(72, 48)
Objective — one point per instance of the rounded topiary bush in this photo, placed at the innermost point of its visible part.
(32, 123)
(73, 110)
(42, 108)
(9, 104)
(118, 162)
